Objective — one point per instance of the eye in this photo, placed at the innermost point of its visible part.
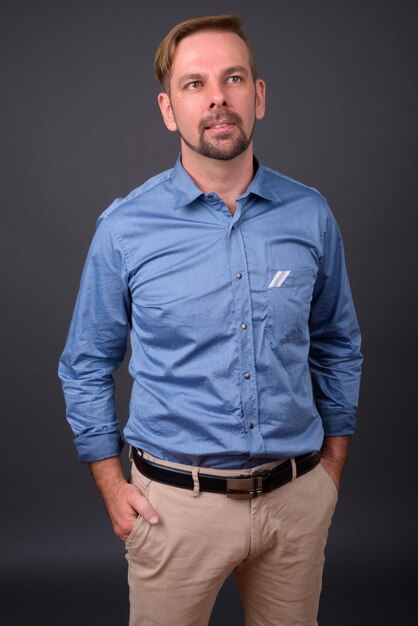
(194, 84)
(234, 79)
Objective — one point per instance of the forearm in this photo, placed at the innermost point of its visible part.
(108, 477)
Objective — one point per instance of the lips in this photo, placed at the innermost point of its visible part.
(220, 124)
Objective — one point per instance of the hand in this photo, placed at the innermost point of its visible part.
(124, 502)
(333, 470)
(124, 507)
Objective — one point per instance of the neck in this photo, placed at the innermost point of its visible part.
(228, 179)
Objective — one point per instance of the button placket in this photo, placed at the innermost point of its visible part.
(245, 344)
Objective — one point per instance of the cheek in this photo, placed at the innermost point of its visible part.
(186, 116)
(245, 106)
(249, 117)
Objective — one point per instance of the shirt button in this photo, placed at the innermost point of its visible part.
(244, 326)
(247, 375)
(210, 196)
(250, 425)
(239, 275)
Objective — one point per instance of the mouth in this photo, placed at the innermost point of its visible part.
(220, 126)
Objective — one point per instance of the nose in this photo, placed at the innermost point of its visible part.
(217, 103)
(217, 97)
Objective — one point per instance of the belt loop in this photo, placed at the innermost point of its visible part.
(196, 484)
(294, 470)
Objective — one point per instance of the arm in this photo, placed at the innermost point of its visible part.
(123, 501)
(95, 347)
(335, 358)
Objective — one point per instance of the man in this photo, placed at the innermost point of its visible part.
(231, 281)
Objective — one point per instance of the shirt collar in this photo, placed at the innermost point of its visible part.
(185, 189)
(264, 184)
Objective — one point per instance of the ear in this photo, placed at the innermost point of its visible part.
(260, 98)
(167, 111)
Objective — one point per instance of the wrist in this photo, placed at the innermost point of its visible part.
(108, 477)
(335, 449)
(334, 453)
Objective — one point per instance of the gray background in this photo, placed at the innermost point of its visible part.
(80, 126)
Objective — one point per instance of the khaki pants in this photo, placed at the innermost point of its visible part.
(274, 543)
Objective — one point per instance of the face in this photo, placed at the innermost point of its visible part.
(213, 101)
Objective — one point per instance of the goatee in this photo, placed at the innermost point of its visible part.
(215, 147)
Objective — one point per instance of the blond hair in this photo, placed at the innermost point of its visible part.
(163, 60)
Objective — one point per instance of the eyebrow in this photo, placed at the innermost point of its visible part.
(187, 77)
(229, 70)
(234, 69)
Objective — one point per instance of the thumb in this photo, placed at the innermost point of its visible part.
(143, 507)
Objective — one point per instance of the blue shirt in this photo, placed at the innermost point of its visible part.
(245, 343)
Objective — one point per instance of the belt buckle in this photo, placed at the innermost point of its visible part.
(244, 488)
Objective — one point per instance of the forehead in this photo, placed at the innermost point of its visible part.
(209, 50)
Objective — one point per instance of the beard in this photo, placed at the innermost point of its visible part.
(216, 147)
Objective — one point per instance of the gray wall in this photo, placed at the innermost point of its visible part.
(80, 126)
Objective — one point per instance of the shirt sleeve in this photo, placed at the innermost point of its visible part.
(95, 347)
(335, 358)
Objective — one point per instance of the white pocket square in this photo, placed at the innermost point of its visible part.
(279, 278)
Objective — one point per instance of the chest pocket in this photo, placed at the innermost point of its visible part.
(289, 294)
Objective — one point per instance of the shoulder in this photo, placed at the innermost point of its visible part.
(142, 196)
(289, 187)
(123, 224)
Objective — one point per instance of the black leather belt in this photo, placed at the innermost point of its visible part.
(237, 487)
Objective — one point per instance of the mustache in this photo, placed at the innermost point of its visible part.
(217, 117)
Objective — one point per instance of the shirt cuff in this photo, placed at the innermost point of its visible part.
(338, 422)
(98, 446)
